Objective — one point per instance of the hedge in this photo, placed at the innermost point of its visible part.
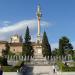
(68, 69)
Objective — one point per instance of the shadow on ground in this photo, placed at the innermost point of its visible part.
(26, 70)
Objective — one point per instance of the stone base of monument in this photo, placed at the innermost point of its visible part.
(40, 60)
(41, 70)
(38, 70)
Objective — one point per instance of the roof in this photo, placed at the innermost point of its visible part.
(15, 44)
(34, 44)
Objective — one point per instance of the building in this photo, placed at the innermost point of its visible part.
(16, 44)
(16, 39)
(16, 48)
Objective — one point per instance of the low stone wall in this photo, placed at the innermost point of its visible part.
(67, 73)
(10, 73)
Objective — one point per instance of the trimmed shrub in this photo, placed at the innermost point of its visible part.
(68, 69)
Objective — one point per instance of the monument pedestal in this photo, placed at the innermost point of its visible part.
(38, 56)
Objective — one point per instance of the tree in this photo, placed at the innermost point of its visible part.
(56, 52)
(27, 36)
(53, 53)
(3, 61)
(71, 52)
(27, 46)
(64, 44)
(6, 50)
(46, 48)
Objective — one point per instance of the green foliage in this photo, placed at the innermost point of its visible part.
(10, 69)
(10, 53)
(55, 52)
(60, 65)
(19, 64)
(68, 69)
(64, 44)
(71, 52)
(7, 68)
(46, 49)
(3, 61)
(73, 58)
(6, 50)
(27, 47)
(27, 36)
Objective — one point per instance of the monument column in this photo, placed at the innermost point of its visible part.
(38, 55)
(39, 14)
(38, 49)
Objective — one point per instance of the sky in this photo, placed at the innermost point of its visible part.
(58, 19)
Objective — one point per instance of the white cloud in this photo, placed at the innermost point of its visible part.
(21, 25)
(6, 22)
(19, 28)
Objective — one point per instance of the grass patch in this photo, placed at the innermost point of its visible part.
(9, 69)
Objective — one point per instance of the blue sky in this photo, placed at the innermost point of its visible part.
(58, 18)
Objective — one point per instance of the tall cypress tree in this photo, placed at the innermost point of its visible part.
(27, 47)
(46, 48)
(27, 36)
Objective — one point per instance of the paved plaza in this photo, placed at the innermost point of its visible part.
(42, 70)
